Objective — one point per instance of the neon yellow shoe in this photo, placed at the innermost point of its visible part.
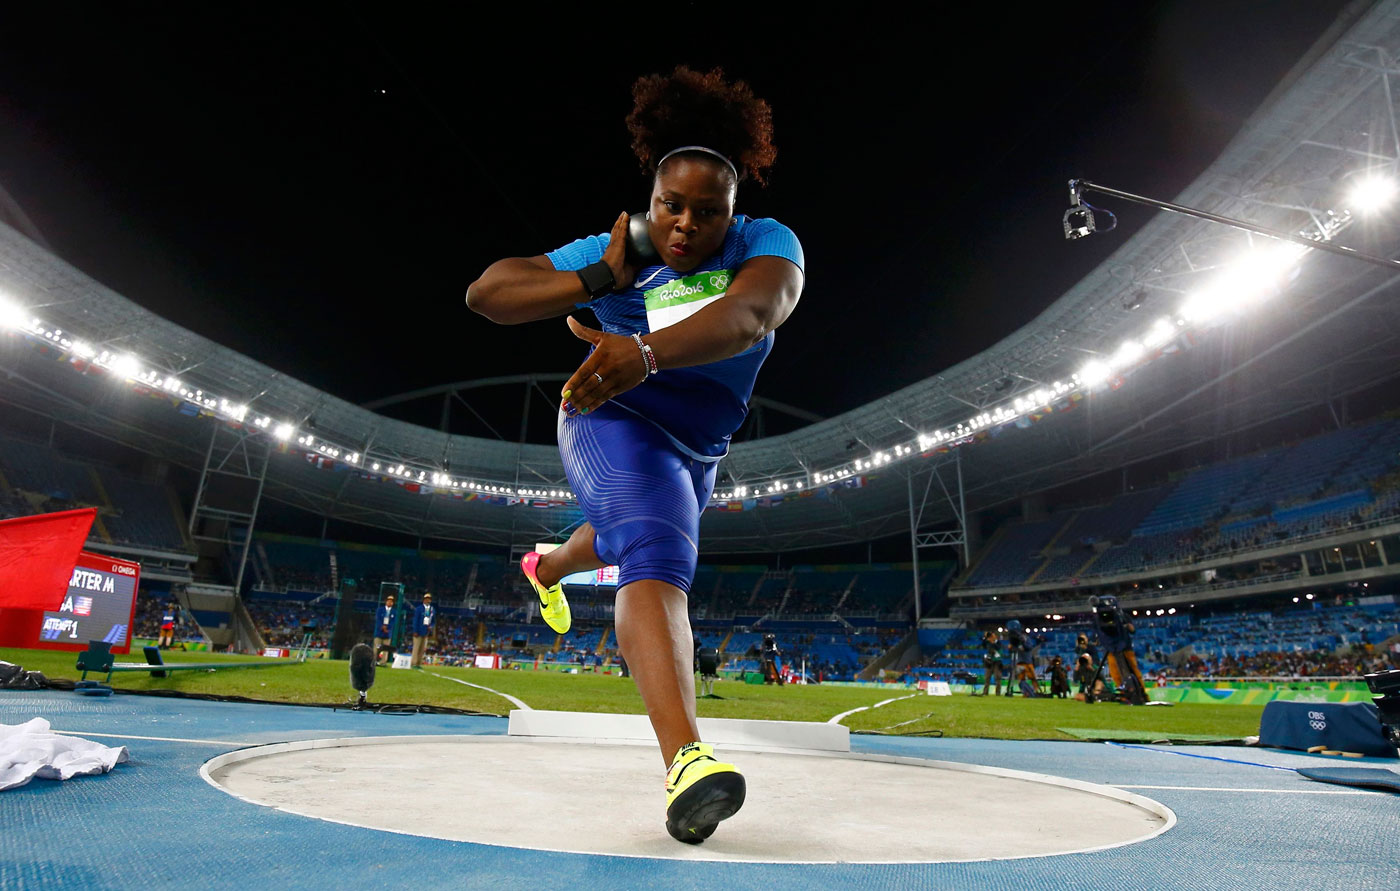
(700, 792)
(554, 606)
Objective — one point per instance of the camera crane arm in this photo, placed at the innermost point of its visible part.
(1079, 221)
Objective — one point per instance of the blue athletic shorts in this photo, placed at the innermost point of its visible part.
(642, 495)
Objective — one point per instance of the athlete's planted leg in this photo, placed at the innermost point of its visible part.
(653, 632)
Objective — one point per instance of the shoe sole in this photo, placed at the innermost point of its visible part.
(695, 813)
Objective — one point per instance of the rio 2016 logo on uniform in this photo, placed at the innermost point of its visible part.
(701, 286)
(679, 299)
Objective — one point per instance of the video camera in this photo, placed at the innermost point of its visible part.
(1385, 686)
(1019, 641)
(1108, 619)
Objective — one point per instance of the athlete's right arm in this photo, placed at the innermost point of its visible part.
(524, 289)
(527, 289)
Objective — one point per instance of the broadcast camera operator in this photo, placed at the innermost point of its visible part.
(991, 661)
(1021, 646)
(1116, 635)
(1082, 646)
(1059, 678)
(768, 657)
(1086, 676)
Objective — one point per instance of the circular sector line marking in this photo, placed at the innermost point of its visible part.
(636, 837)
(517, 702)
(837, 719)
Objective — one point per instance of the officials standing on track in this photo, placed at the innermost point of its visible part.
(384, 629)
(423, 617)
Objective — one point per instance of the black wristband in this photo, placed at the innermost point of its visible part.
(597, 278)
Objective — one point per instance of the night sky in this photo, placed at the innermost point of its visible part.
(316, 187)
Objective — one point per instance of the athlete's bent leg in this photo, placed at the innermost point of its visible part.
(653, 631)
(575, 555)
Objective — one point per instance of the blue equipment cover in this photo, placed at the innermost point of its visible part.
(1344, 726)
(1370, 777)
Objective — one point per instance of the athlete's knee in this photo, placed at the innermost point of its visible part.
(658, 552)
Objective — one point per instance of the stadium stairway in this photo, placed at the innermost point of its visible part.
(245, 630)
(558, 643)
(725, 643)
(1078, 573)
(1050, 545)
(97, 524)
(992, 544)
(841, 601)
(892, 657)
(181, 521)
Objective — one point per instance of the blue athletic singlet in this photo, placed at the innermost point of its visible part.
(698, 407)
(642, 465)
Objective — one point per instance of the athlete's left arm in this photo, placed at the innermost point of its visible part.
(763, 294)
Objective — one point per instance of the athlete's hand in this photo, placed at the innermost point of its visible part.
(615, 359)
(616, 256)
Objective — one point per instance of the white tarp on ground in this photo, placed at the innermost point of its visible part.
(32, 750)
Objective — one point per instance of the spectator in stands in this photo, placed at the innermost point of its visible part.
(384, 629)
(423, 618)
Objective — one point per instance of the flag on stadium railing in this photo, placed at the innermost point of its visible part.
(37, 556)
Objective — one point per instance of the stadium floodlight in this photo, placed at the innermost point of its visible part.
(1094, 373)
(1127, 354)
(126, 365)
(1258, 274)
(83, 350)
(12, 315)
(1161, 331)
(1371, 193)
(283, 432)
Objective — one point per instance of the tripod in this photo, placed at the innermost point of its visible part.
(1125, 674)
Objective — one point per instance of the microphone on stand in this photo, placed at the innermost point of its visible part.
(361, 671)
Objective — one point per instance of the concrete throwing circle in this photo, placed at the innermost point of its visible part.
(590, 798)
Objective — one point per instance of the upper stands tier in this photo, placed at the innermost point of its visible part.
(36, 478)
(1329, 482)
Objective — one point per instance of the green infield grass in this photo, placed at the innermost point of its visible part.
(325, 681)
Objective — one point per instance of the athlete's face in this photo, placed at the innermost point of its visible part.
(692, 206)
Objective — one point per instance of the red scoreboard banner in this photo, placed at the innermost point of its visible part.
(100, 605)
